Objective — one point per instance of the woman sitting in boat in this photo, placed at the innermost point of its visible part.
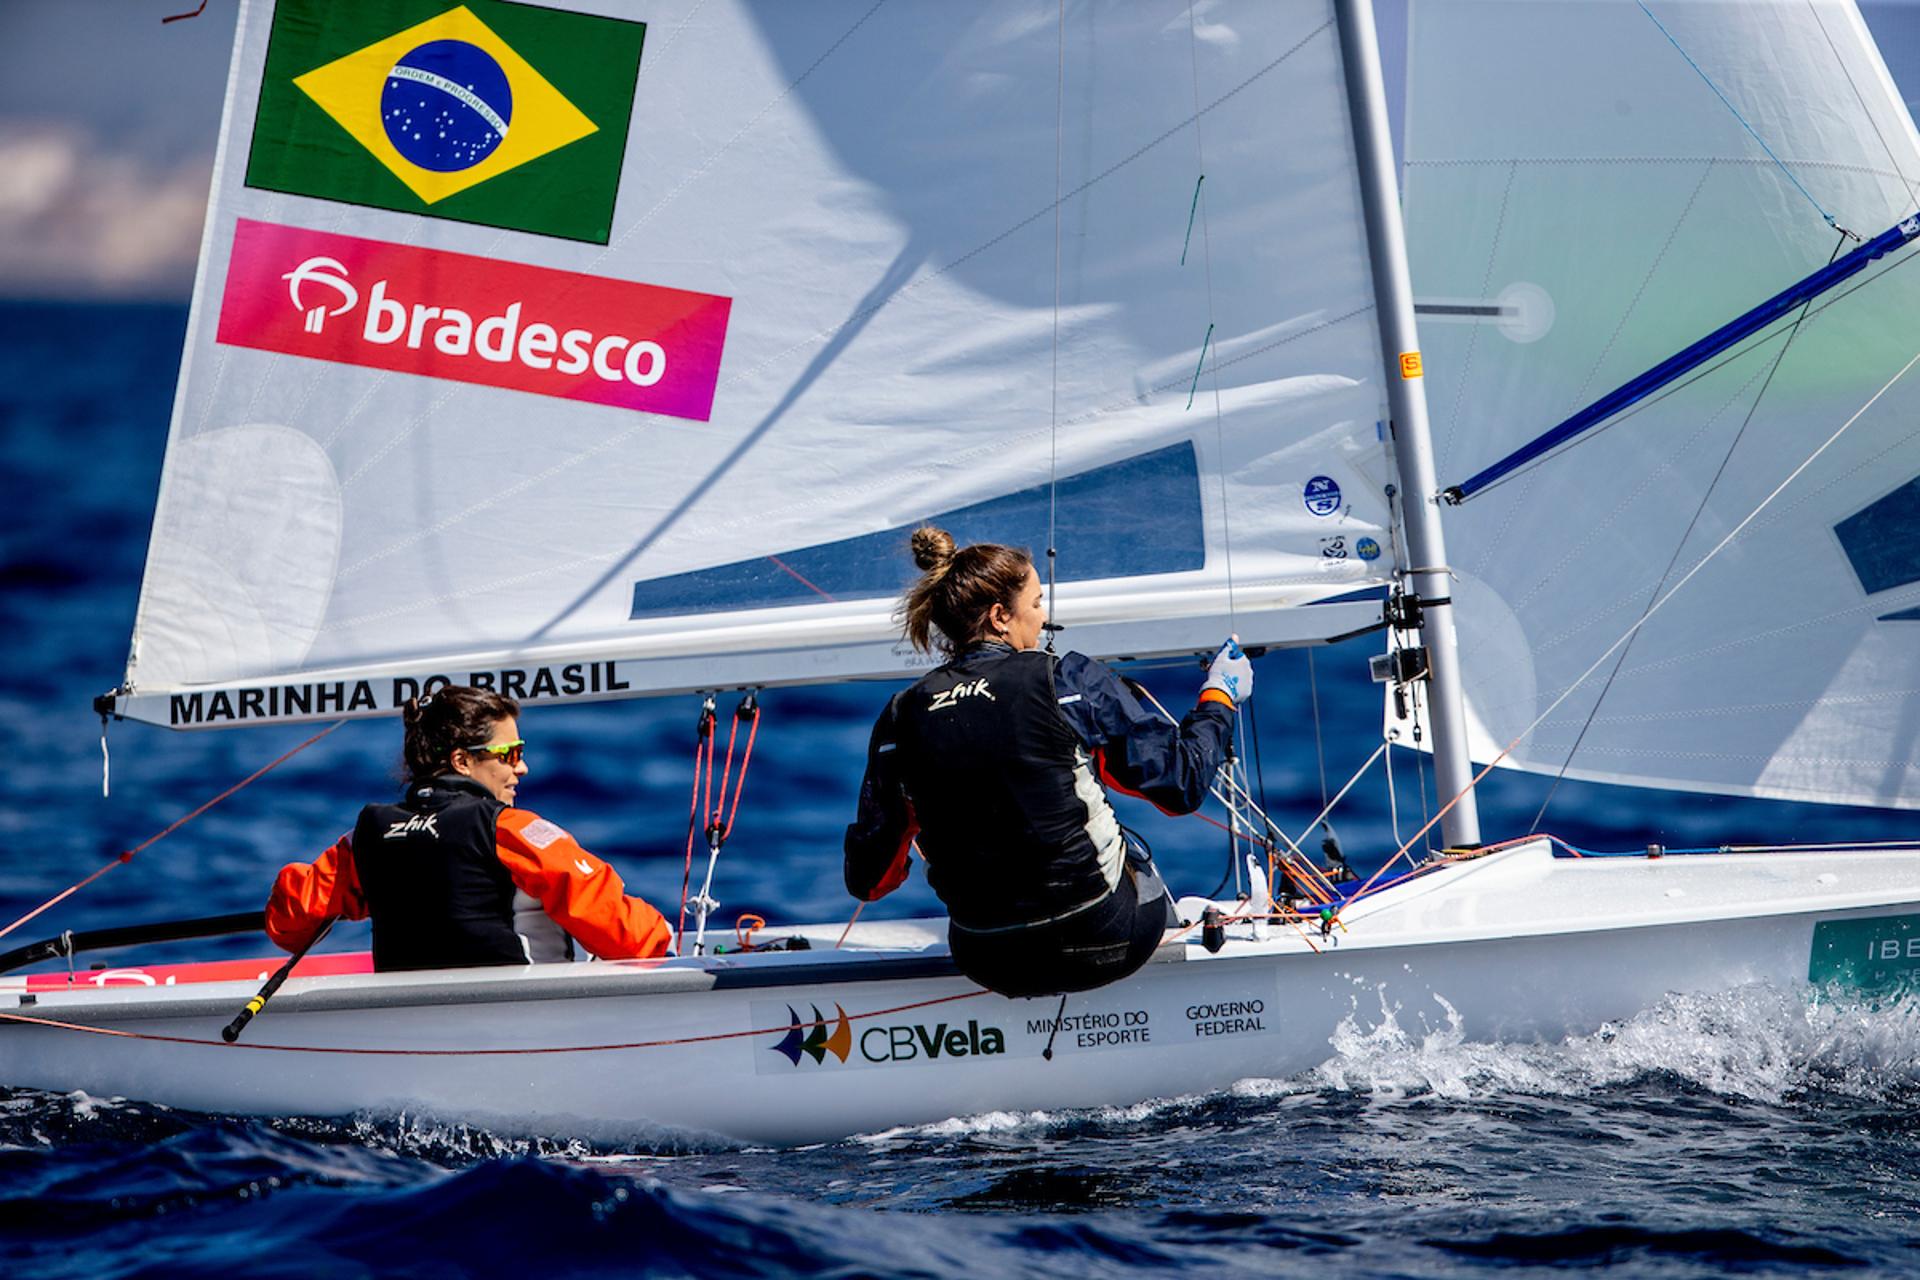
(995, 761)
(453, 875)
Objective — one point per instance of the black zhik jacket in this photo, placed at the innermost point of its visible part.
(996, 762)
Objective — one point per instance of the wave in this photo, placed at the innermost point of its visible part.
(1755, 1042)
(1630, 1246)
(1668, 1143)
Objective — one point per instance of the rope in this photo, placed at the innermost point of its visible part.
(718, 827)
(702, 756)
(1235, 796)
(1393, 795)
(726, 776)
(1342, 793)
(858, 907)
(55, 1024)
(746, 926)
(1734, 353)
(799, 577)
(126, 855)
(1825, 216)
(1224, 797)
(1699, 510)
(1259, 768)
(1422, 760)
(746, 758)
(1053, 401)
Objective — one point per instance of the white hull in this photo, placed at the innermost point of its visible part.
(1518, 945)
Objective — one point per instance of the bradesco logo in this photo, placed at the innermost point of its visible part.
(472, 319)
(878, 1043)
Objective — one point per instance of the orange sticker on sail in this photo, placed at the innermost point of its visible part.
(1410, 364)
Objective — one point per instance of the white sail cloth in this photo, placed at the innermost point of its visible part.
(907, 334)
(1570, 166)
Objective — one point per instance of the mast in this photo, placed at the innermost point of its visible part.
(1426, 575)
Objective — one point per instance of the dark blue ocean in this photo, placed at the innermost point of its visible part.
(1753, 1134)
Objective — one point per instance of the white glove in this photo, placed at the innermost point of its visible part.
(1231, 672)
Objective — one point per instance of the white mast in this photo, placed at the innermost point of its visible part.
(1426, 574)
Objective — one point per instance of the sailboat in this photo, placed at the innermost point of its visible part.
(599, 354)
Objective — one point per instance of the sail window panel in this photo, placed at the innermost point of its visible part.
(1135, 517)
(1882, 540)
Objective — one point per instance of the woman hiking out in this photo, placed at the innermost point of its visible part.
(453, 874)
(999, 761)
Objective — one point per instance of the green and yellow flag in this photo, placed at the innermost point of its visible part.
(500, 114)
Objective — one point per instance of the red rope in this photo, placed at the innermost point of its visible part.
(746, 926)
(799, 577)
(706, 799)
(1371, 888)
(726, 773)
(740, 784)
(1432, 822)
(719, 816)
(858, 907)
(57, 1025)
(126, 855)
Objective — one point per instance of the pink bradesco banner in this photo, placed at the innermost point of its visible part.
(473, 319)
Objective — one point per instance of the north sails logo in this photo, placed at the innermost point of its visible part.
(313, 269)
(418, 822)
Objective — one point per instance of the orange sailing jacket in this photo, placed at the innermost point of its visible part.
(581, 893)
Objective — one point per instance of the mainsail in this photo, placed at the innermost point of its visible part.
(591, 357)
(1591, 188)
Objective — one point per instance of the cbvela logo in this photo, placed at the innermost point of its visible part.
(471, 319)
(813, 1039)
(833, 1040)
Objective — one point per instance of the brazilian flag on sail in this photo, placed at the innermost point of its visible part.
(501, 114)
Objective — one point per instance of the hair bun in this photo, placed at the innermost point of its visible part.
(932, 548)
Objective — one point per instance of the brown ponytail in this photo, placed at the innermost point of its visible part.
(957, 589)
(437, 723)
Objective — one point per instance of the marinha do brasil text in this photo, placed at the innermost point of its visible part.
(345, 697)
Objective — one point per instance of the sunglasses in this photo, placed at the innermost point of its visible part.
(507, 753)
